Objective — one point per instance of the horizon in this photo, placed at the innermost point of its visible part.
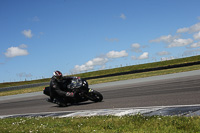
(102, 70)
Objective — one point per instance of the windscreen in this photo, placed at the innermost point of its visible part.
(76, 83)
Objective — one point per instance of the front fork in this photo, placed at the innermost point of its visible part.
(91, 90)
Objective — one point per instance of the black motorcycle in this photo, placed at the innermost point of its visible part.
(81, 90)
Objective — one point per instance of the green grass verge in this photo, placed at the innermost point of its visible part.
(22, 91)
(141, 66)
(144, 74)
(10, 84)
(100, 124)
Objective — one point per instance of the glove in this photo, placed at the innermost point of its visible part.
(70, 94)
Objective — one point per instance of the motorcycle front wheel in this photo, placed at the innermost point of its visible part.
(95, 96)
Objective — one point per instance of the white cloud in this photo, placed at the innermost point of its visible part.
(145, 55)
(195, 45)
(163, 53)
(122, 16)
(182, 30)
(136, 47)
(23, 46)
(27, 33)
(191, 29)
(180, 42)
(16, 51)
(173, 41)
(196, 36)
(91, 64)
(116, 54)
(82, 68)
(167, 58)
(166, 39)
(99, 61)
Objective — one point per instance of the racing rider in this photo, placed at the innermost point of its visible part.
(58, 90)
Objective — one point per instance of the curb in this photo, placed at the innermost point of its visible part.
(176, 110)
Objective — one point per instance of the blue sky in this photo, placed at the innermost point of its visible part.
(75, 36)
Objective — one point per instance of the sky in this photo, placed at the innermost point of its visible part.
(38, 37)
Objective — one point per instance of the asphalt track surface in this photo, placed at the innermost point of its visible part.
(167, 90)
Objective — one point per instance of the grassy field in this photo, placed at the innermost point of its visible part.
(101, 124)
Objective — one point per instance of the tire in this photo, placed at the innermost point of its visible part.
(95, 96)
(46, 91)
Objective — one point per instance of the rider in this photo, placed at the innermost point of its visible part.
(57, 89)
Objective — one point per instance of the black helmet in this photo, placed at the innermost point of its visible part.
(58, 75)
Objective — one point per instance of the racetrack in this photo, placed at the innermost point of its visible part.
(154, 91)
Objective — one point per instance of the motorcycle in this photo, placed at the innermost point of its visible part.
(81, 90)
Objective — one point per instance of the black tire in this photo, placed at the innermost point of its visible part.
(95, 96)
(46, 91)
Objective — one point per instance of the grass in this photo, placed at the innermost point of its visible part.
(10, 84)
(144, 74)
(100, 124)
(22, 91)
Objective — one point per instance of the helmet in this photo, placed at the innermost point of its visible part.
(58, 75)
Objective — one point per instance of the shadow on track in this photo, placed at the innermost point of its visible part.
(76, 104)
